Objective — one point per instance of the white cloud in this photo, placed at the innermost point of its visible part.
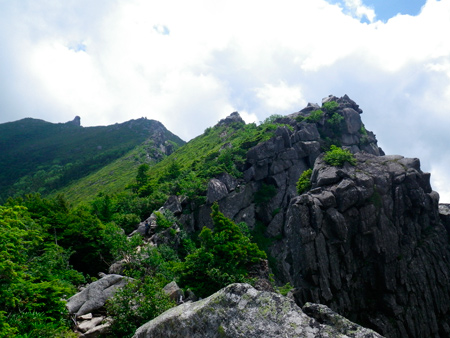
(359, 10)
(281, 97)
(189, 64)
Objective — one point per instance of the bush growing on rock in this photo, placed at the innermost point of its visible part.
(337, 156)
(304, 182)
(315, 116)
(330, 106)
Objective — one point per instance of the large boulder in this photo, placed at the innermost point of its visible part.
(240, 311)
(368, 241)
(95, 295)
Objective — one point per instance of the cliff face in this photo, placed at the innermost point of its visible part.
(366, 240)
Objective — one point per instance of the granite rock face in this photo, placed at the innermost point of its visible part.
(95, 295)
(367, 240)
(370, 241)
(240, 311)
(279, 163)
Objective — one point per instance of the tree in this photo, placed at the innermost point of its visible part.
(223, 258)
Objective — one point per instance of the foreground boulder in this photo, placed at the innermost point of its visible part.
(239, 310)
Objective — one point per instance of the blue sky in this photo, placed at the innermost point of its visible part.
(383, 9)
(190, 63)
(386, 9)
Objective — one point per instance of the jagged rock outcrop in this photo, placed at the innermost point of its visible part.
(279, 163)
(239, 310)
(370, 241)
(233, 118)
(367, 241)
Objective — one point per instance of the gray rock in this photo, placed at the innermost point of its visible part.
(352, 120)
(87, 325)
(324, 315)
(216, 191)
(95, 295)
(98, 331)
(173, 204)
(232, 118)
(379, 254)
(240, 311)
(174, 292)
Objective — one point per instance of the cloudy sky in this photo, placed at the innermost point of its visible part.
(190, 63)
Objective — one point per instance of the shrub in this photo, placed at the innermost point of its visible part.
(135, 304)
(300, 118)
(164, 220)
(304, 182)
(337, 156)
(330, 106)
(272, 118)
(284, 290)
(315, 116)
(335, 119)
(223, 258)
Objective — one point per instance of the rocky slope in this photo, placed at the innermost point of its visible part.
(366, 240)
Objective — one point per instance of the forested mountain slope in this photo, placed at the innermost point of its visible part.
(38, 156)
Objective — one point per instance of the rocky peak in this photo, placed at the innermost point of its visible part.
(232, 118)
(344, 102)
(75, 122)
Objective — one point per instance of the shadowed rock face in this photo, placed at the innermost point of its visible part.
(240, 311)
(368, 242)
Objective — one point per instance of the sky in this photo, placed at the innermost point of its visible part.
(191, 63)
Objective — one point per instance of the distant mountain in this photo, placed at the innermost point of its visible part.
(39, 156)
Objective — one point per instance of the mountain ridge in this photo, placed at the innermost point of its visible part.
(39, 156)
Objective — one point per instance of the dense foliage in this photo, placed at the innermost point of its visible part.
(223, 258)
(35, 277)
(337, 156)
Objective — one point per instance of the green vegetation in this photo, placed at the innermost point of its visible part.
(337, 156)
(284, 290)
(221, 149)
(223, 257)
(272, 119)
(265, 193)
(315, 116)
(330, 107)
(35, 276)
(304, 182)
(42, 157)
(335, 120)
(137, 303)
